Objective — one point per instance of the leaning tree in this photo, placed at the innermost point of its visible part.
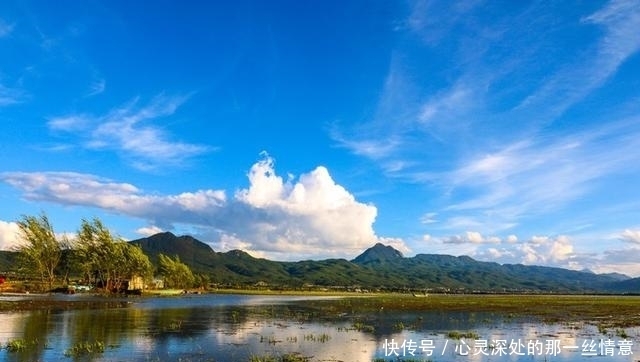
(40, 250)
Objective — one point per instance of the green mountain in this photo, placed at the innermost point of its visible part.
(234, 267)
(382, 267)
(198, 255)
(379, 254)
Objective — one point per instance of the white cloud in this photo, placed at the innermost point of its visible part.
(620, 20)
(9, 232)
(496, 163)
(561, 249)
(630, 235)
(499, 253)
(71, 123)
(371, 148)
(472, 237)
(546, 250)
(128, 131)
(429, 218)
(313, 215)
(449, 107)
(308, 217)
(149, 230)
(538, 176)
(396, 243)
(69, 188)
(9, 96)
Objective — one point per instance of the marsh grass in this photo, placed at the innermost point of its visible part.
(174, 325)
(622, 333)
(362, 327)
(617, 311)
(85, 348)
(463, 335)
(322, 338)
(270, 340)
(289, 357)
(18, 345)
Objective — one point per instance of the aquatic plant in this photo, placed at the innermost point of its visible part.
(321, 338)
(82, 348)
(361, 327)
(263, 359)
(622, 333)
(460, 335)
(174, 325)
(602, 329)
(235, 316)
(16, 345)
(289, 357)
(269, 340)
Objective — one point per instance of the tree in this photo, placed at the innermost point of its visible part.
(175, 273)
(135, 262)
(40, 251)
(108, 260)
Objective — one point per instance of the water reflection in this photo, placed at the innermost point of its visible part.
(235, 328)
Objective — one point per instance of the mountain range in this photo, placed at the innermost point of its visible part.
(382, 268)
(378, 268)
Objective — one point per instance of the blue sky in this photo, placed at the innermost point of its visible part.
(507, 131)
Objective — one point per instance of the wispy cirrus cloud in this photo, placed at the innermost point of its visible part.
(539, 175)
(619, 21)
(10, 96)
(129, 131)
(97, 87)
(370, 148)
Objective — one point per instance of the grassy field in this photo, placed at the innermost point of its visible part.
(605, 310)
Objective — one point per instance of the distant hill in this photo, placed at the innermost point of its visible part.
(630, 285)
(379, 267)
(232, 267)
(382, 267)
(198, 255)
(378, 254)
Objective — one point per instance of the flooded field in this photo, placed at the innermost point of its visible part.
(300, 328)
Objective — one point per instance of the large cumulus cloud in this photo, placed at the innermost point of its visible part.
(310, 216)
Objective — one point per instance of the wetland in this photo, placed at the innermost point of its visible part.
(377, 327)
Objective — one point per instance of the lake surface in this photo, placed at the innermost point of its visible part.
(239, 327)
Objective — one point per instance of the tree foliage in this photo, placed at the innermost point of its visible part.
(40, 251)
(175, 273)
(107, 260)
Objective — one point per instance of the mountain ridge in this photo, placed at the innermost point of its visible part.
(384, 267)
(380, 267)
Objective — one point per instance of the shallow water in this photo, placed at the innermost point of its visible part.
(237, 327)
